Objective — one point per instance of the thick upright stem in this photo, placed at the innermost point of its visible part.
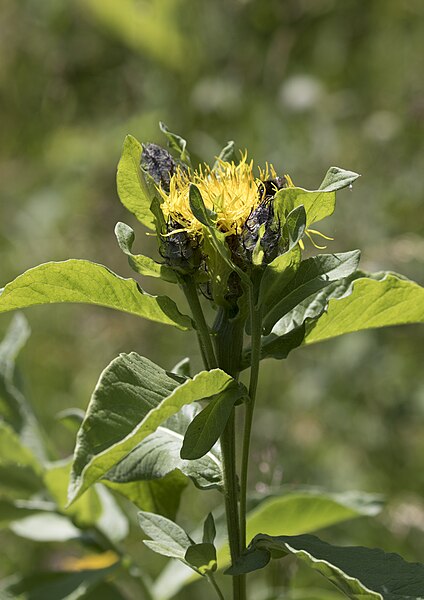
(229, 336)
(205, 342)
(256, 331)
(229, 343)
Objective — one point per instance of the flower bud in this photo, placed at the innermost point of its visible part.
(159, 164)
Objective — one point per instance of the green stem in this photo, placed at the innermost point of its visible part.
(229, 344)
(228, 436)
(205, 342)
(256, 331)
(215, 586)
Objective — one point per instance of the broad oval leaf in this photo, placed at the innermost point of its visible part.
(82, 281)
(356, 571)
(312, 275)
(372, 303)
(133, 190)
(132, 398)
(294, 512)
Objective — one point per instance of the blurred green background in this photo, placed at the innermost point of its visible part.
(304, 84)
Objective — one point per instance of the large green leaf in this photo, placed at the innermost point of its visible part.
(132, 398)
(90, 283)
(159, 454)
(141, 264)
(372, 303)
(133, 189)
(312, 275)
(295, 513)
(356, 571)
(206, 427)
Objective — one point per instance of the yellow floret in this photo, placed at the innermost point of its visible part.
(230, 190)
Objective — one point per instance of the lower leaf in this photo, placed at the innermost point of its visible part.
(356, 571)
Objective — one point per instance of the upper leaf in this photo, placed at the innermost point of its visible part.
(133, 189)
(312, 275)
(372, 303)
(90, 283)
(177, 143)
(318, 204)
(356, 571)
(337, 179)
(132, 398)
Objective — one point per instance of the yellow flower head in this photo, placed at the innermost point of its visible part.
(230, 190)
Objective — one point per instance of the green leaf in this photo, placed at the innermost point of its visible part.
(90, 283)
(133, 189)
(206, 427)
(141, 264)
(182, 368)
(87, 510)
(60, 585)
(227, 154)
(313, 274)
(314, 306)
(276, 277)
(372, 303)
(337, 179)
(295, 513)
(20, 472)
(209, 530)
(177, 143)
(276, 346)
(319, 203)
(167, 538)
(294, 227)
(202, 558)
(46, 527)
(14, 408)
(356, 571)
(159, 454)
(132, 398)
(13, 510)
(161, 496)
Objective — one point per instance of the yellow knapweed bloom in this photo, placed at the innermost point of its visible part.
(230, 190)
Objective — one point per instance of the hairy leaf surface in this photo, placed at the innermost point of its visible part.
(132, 398)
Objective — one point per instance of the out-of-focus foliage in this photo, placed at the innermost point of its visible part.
(303, 84)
